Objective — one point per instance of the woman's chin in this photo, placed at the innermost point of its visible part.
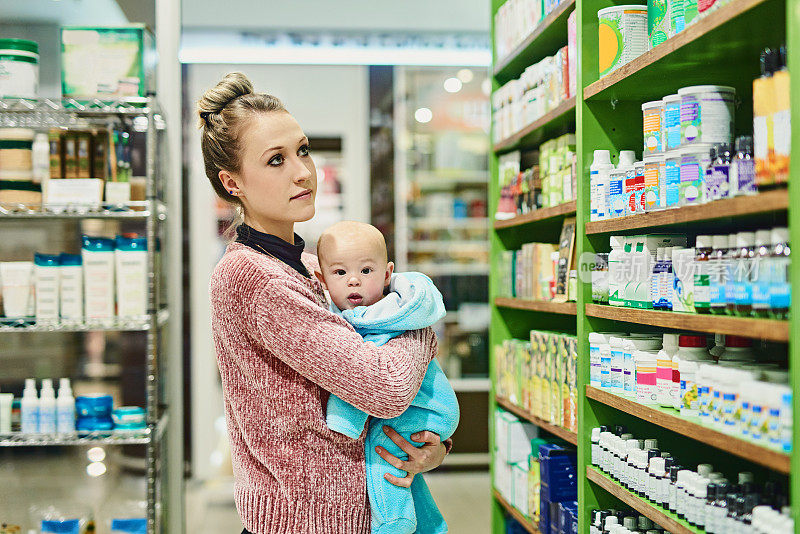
(305, 214)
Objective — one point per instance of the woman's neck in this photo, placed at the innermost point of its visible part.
(284, 231)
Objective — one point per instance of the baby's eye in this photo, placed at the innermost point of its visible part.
(366, 270)
(339, 272)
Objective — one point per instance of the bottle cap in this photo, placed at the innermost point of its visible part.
(611, 520)
(671, 340)
(719, 242)
(745, 240)
(602, 157)
(626, 158)
(745, 477)
(704, 241)
(704, 470)
(763, 237)
(630, 523)
(651, 444)
(738, 341)
(619, 430)
(660, 254)
(595, 435)
(692, 341)
(779, 234)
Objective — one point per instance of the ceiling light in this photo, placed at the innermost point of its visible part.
(96, 469)
(486, 86)
(96, 454)
(423, 115)
(465, 75)
(452, 85)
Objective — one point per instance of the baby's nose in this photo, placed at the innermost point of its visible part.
(354, 281)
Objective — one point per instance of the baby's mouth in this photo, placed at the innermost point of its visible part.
(355, 299)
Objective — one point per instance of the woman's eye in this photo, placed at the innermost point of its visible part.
(304, 151)
(276, 160)
(366, 270)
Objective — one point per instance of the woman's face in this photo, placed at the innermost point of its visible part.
(277, 180)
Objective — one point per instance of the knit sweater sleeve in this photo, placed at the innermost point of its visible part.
(324, 348)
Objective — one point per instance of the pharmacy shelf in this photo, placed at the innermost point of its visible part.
(437, 246)
(544, 40)
(769, 329)
(127, 211)
(450, 269)
(767, 202)
(671, 522)
(559, 120)
(112, 437)
(126, 106)
(470, 385)
(516, 514)
(694, 56)
(448, 223)
(671, 420)
(136, 324)
(564, 308)
(541, 214)
(556, 430)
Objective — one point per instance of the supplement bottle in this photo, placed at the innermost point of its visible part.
(616, 271)
(654, 279)
(646, 377)
(706, 373)
(664, 370)
(599, 173)
(780, 295)
(29, 408)
(690, 347)
(612, 379)
(743, 168)
(689, 395)
(65, 408)
(742, 304)
(666, 280)
(630, 347)
(702, 274)
(730, 263)
(761, 274)
(47, 408)
(718, 274)
(738, 348)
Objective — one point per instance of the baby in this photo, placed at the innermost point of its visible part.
(380, 305)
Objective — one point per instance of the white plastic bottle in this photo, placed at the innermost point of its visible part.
(29, 408)
(616, 271)
(690, 347)
(65, 408)
(599, 173)
(664, 370)
(47, 408)
(41, 158)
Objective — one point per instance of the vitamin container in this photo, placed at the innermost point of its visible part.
(630, 347)
(672, 178)
(652, 116)
(706, 114)
(646, 380)
(654, 183)
(622, 34)
(694, 162)
(664, 369)
(657, 22)
(16, 154)
(677, 21)
(129, 418)
(19, 68)
(599, 350)
(689, 398)
(617, 360)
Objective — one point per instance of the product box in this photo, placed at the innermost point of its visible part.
(519, 480)
(683, 288)
(518, 440)
(107, 62)
(503, 478)
(537, 373)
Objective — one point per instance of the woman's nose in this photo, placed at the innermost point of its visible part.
(302, 173)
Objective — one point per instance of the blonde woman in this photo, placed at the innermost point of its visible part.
(280, 351)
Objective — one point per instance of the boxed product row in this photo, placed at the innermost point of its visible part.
(730, 387)
(537, 476)
(64, 168)
(621, 522)
(539, 90)
(743, 274)
(43, 415)
(540, 376)
(107, 280)
(705, 498)
(552, 182)
(515, 20)
(529, 273)
(96, 63)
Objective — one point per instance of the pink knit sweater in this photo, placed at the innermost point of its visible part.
(280, 351)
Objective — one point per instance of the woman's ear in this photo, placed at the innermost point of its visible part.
(229, 183)
(389, 270)
(321, 279)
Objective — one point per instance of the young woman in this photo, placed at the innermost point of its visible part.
(280, 351)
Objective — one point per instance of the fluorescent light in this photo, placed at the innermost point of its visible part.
(423, 115)
(465, 75)
(452, 85)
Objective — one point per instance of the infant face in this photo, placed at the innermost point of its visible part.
(353, 263)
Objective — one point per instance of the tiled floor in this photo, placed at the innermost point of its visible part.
(463, 499)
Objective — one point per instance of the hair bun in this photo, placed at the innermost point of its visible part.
(231, 87)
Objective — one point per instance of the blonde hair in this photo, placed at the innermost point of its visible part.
(224, 110)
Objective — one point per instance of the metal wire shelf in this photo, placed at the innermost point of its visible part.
(104, 437)
(129, 210)
(120, 324)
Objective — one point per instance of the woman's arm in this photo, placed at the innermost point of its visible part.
(324, 348)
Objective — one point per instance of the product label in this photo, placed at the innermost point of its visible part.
(616, 198)
(623, 37)
(628, 377)
(690, 118)
(594, 187)
(761, 283)
(689, 12)
(691, 187)
(666, 282)
(702, 289)
(672, 172)
(640, 190)
(780, 295)
(728, 411)
(594, 366)
(652, 131)
(689, 404)
(646, 384)
(745, 175)
(657, 22)
(704, 402)
(719, 276)
(758, 422)
(652, 186)
(68, 526)
(717, 182)
(676, 17)
(630, 193)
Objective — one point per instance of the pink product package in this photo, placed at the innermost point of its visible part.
(572, 53)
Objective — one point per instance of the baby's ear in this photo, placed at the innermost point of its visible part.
(389, 271)
(321, 279)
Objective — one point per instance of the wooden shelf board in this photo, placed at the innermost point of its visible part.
(669, 521)
(551, 32)
(769, 329)
(671, 420)
(563, 433)
(562, 210)
(516, 514)
(548, 125)
(564, 308)
(693, 34)
(776, 200)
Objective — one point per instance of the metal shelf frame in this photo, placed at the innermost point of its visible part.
(144, 115)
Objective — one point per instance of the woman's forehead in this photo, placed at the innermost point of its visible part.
(272, 130)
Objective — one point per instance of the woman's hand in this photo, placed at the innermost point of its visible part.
(420, 459)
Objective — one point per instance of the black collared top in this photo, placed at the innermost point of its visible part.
(268, 243)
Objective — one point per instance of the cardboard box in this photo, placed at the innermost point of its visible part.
(107, 62)
(519, 478)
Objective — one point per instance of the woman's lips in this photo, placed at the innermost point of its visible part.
(305, 194)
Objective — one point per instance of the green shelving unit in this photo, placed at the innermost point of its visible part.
(721, 48)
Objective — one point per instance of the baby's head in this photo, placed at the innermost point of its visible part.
(354, 265)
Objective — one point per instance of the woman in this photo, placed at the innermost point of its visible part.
(279, 350)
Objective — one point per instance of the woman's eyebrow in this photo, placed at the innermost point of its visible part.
(270, 150)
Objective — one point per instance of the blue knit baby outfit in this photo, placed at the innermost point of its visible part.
(412, 303)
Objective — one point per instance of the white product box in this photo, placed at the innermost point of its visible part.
(519, 477)
(502, 478)
(518, 441)
(683, 289)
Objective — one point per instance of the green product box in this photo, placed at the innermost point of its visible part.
(107, 62)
